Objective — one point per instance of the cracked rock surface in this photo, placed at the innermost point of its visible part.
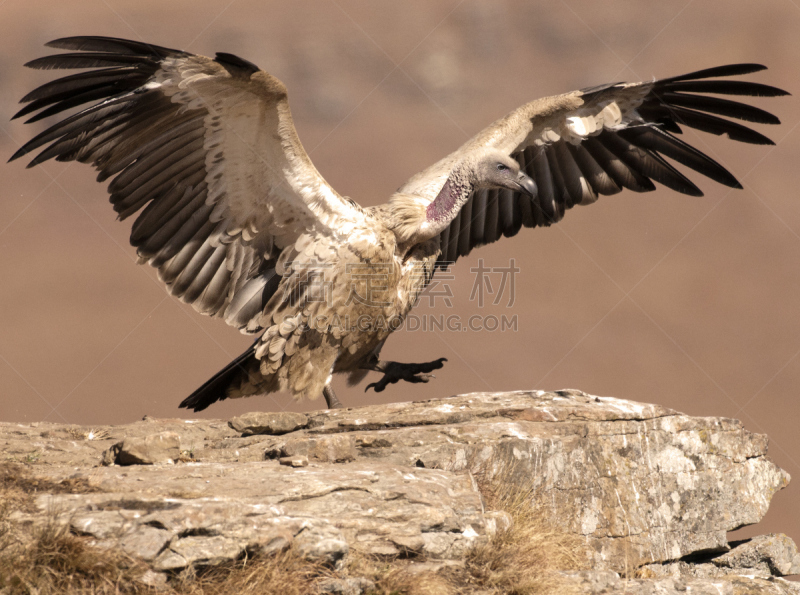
(204, 514)
(609, 583)
(647, 487)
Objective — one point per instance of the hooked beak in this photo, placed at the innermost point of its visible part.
(526, 184)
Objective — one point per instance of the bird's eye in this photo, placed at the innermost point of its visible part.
(501, 167)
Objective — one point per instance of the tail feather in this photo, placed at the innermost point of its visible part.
(216, 388)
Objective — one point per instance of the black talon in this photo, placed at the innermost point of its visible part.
(395, 371)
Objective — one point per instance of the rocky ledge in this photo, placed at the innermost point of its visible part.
(651, 492)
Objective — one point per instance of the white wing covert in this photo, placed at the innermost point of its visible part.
(594, 142)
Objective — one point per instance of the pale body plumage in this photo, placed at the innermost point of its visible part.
(241, 225)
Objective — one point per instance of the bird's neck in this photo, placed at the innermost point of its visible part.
(447, 203)
(416, 222)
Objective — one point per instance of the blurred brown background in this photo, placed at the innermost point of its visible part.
(689, 303)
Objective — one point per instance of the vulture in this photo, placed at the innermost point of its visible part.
(241, 225)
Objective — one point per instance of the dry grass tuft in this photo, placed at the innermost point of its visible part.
(90, 434)
(46, 559)
(13, 493)
(523, 559)
(54, 562)
(401, 582)
(17, 482)
(396, 577)
(286, 573)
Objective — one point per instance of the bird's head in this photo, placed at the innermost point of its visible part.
(495, 169)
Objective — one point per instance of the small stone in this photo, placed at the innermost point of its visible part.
(110, 455)
(100, 524)
(438, 545)
(372, 442)
(207, 550)
(346, 586)
(272, 543)
(323, 542)
(338, 448)
(145, 543)
(497, 521)
(164, 447)
(295, 447)
(259, 422)
(408, 544)
(332, 449)
(169, 560)
(295, 461)
(156, 580)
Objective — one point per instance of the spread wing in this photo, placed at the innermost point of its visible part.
(598, 141)
(207, 148)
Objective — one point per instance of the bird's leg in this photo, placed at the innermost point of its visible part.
(330, 398)
(395, 371)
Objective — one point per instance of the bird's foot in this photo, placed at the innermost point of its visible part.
(330, 398)
(396, 371)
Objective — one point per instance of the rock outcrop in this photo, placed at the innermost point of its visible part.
(651, 492)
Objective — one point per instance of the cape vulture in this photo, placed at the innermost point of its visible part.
(240, 224)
